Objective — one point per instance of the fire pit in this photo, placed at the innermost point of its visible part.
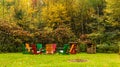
(77, 60)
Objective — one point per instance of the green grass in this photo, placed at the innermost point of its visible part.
(56, 60)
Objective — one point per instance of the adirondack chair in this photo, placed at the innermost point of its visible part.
(34, 49)
(65, 49)
(49, 49)
(24, 49)
(39, 48)
(73, 48)
(27, 47)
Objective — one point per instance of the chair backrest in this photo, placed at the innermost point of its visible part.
(65, 48)
(49, 48)
(39, 46)
(54, 47)
(27, 46)
(34, 49)
(73, 49)
(24, 49)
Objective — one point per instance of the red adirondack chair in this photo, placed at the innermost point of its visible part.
(34, 49)
(73, 47)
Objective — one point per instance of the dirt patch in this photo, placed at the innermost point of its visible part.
(77, 60)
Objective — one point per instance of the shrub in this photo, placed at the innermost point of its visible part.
(82, 48)
(62, 35)
(105, 48)
(43, 37)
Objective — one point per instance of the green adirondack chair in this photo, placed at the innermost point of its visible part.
(23, 49)
(39, 48)
(65, 49)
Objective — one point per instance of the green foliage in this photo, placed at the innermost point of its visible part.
(106, 37)
(82, 48)
(106, 48)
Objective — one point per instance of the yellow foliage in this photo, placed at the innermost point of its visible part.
(56, 13)
(9, 0)
(24, 4)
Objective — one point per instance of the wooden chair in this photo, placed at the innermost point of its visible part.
(34, 49)
(65, 49)
(49, 49)
(73, 47)
(39, 48)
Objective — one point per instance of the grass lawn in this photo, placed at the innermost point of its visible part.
(56, 60)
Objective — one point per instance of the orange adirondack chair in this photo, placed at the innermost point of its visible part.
(27, 47)
(50, 48)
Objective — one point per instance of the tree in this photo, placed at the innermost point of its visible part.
(53, 17)
(81, 13)
(113, 14)
(24, 15)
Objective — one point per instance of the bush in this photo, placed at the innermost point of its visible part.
(9, 44)
(105, 37)
(6, 48)
(82, 48)
(62, 35)
(105, 48)
(43, 37)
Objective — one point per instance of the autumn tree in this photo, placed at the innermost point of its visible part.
(53, 17)
(113, 14)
